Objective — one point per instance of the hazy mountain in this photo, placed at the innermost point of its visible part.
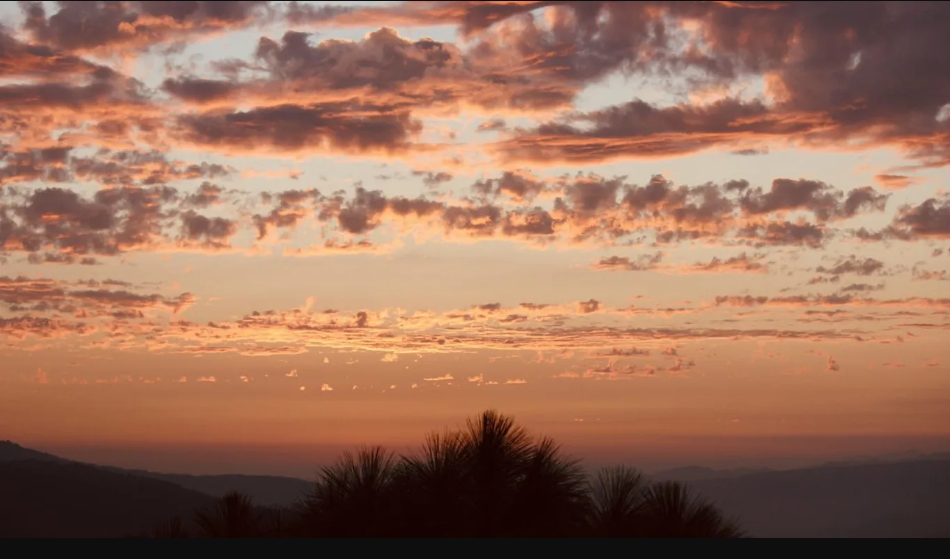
(909, 456)
(897, 499)
(264, 490)
(902, 495)
(695, 473)
(12, 452)
(58, 499)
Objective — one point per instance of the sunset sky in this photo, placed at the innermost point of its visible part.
(240, 236)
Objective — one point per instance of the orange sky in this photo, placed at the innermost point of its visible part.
(242, 239)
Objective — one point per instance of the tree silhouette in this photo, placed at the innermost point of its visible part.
(353, 498)
(489, 479)
(174, 528)
(552, 499)
(435, 487)
(670, 511)
(617, 502)
(496, 453)
(232, 516)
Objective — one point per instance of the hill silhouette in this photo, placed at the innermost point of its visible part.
(488, 479)
(12, 452)
(884, 500)
(270, 491)
(60, 499)
(264, 490)
(690, 474)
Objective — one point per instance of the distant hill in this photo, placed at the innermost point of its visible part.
(904, 495)
(886, 500)
(264, 490)
(891, 458)
(59, 499)
(268, 491)
(12, 452)
(691, 474)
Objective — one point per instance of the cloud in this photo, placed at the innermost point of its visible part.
(586, 209)
(519, 186)
(550, 328)
(111, 222)
(38, 61)
(831, 79)
(638, 130)
(493, 125)
(930, 275)
(326, 388)
(434, 180)
(642, 263)
(208, 232)
(588, 307)
(742, 263)
(415, 76)
(854, 265)
(630, 352)
(817, 197)
(862, 287)
(833, 365)
(782, 233)
(345, 127)
(390, 358)
(207, 379)
(845, 81)
(440, 378)
(22, 294)
(895, 182)
(98, 26)
(929, 219)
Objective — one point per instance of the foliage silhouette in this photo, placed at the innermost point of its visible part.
(232, 516)
(671, 512)
(617, 502)
(354, 497)
(489, 479)
(171, 529)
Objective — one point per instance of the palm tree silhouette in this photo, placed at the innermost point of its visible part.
(232, 516)
(670, 511)
(497, 453)
(489, 479)
(552, 496)
(617, 502)
(353, 497)
(435, 487)
(174, 528)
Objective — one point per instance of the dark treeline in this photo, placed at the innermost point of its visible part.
(490, 479)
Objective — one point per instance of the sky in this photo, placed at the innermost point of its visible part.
(242, 236)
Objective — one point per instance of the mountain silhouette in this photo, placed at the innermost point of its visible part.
(900, 495)
(12, 452)
(60, 499)
(884, 500)
(690, 474)
(271, 491)
(264, 490)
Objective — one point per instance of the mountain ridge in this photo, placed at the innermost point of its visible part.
(264, 490)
